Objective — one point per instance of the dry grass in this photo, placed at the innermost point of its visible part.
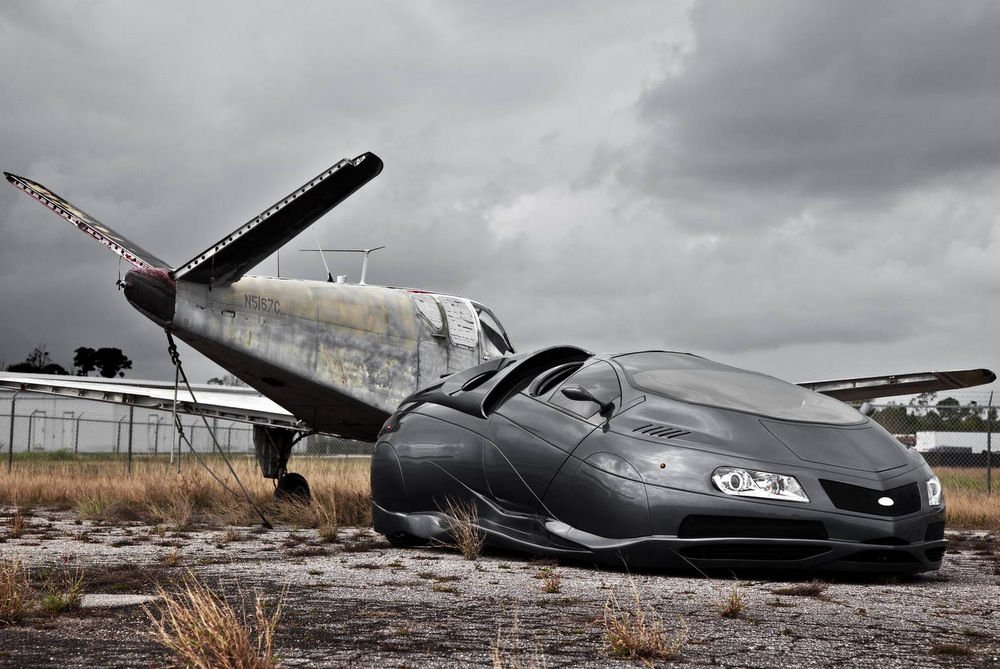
(507, 650)
(814, 588)
(968, 505)
(733, 604)
(156, 494)
(551, 580)
(16, 593)
(202, 630)
(640, 634)
(17, 525)
(465, 530)
(62, 589)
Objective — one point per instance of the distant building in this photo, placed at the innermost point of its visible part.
(53, 422)
(955, 442)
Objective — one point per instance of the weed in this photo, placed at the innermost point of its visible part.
(506, 650)
(638, 633)
(173, 558)
(551, 579)
(465, 530)
(62, 589)
(17, 524)
(779, 604)
(202, 630)
(362, 546)
(813, 588)
(733, 604)
(327, 533)
(16, 593)
(232, 534)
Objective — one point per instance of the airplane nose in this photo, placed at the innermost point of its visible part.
(153, 292)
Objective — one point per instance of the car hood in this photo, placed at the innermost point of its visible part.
(865, 447)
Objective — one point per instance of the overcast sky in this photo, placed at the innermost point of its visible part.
(810, 189)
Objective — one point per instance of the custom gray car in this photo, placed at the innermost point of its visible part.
(655, 459)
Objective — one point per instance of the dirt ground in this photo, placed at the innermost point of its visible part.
(357, 601)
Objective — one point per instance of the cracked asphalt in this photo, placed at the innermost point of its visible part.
(356, 601)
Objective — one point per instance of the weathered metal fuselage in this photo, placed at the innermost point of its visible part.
(339, 356)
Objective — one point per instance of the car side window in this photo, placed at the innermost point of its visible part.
(599, 379)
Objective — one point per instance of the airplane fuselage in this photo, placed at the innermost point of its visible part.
(338, 356)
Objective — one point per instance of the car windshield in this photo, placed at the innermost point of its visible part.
(689, 378)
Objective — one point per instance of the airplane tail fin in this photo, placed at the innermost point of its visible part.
(231, 257)
(127, 249)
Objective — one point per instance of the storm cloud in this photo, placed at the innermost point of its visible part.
(806, 188)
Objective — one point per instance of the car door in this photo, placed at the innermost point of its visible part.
(531, 434)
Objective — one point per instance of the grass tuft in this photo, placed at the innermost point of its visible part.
(203, 631)
(814, 588)
(639, 634)
(62, 589)
(16, 593)
(465, 530)
(507, 650)
(17, 525)
(551, 579)
(733, 604)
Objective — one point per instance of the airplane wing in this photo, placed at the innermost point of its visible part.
(231, 403)
(871, 387)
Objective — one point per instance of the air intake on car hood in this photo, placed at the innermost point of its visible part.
(660, 431)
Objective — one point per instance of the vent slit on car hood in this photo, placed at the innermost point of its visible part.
(660, 431)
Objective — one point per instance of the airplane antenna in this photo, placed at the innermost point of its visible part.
(364, 264)
(329, 276)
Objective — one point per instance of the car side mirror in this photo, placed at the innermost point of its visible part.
(579, 394)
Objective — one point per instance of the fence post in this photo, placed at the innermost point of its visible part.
(76, 434)
(10, 444)
(131, 415)
(989, 446)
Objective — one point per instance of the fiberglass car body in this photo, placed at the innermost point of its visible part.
(655, 459)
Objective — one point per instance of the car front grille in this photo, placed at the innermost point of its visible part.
(756, 552)
(905, 498)
(704, 527)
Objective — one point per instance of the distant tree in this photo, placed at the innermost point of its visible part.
(39, 362)
(111, 362)
(84, 360)
(227, 380)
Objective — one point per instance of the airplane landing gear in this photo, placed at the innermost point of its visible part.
(292, 487)
(273, 445)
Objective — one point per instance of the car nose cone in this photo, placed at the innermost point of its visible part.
(885, 501)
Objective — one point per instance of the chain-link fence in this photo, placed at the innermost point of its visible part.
(946, 434)
(33, 423)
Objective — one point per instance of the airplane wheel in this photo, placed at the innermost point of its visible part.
(404, 540)
(292, 487)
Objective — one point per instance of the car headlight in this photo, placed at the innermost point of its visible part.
(934, 491)
(749, 483)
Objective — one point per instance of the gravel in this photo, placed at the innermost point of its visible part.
(359, 602)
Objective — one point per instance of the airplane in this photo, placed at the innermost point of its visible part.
(333, 357)
(327, 356)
